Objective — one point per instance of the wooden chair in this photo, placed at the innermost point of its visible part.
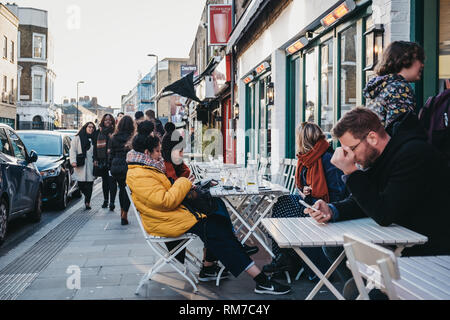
(366, 258)
(167, 257)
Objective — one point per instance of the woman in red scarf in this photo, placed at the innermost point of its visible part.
(316, 178)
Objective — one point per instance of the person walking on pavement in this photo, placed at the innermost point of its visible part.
(101, 165)
(82, 160)
(389, 94)
(118, 149)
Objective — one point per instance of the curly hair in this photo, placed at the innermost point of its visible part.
(399, 55)
(113, 121)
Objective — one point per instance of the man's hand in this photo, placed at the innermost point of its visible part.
(323, 215)
(74, 165)
(344, 159)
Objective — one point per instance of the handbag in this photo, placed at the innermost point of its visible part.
(81, 160)
(100, 169)
(200, 200)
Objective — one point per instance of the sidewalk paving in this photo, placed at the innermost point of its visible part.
(113, 258)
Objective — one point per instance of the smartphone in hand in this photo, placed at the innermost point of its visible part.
(308, 206)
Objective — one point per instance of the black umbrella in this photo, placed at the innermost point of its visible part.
(184, 87)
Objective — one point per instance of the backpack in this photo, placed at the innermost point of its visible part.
(435, 118)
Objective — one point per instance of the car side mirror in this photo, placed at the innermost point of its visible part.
(33, 156)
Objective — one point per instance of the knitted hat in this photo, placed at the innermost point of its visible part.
(171, 139)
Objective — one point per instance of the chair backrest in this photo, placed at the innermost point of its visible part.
(263, 163)
(381, 261)
(291, 180)
(136, 213)
(277, 177)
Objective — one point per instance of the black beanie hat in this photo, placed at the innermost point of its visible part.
(171, 139)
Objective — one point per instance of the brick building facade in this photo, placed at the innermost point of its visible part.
(35, 103)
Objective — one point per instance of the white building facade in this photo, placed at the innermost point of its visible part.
(319, 80)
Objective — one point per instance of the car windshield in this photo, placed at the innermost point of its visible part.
(44, 145)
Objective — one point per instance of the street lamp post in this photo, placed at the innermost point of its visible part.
(78, 88)
(157, 82)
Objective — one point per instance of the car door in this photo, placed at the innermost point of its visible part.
(30, 177)
(13, 172)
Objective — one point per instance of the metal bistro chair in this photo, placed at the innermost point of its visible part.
(374, 260)
(167, 257)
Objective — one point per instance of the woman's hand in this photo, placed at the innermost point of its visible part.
(74, 165)
(96, 163)
(307, 191)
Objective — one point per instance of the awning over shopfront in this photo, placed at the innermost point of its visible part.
(183, 87)
(250, 14)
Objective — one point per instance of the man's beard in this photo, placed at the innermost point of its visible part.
(371, 156)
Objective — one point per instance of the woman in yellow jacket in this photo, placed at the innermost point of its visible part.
(162, 214)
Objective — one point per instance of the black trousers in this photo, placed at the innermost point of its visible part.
(221, 244)
(109, 186)
(123, 197)
(86, 189)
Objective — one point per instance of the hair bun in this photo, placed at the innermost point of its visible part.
(145, 127)
(169, 127)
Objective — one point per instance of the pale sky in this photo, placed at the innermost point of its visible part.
(107, 43)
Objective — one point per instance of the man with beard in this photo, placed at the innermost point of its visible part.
(393, 176)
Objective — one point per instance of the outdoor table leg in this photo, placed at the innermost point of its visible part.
(323, 278)
(251, 229)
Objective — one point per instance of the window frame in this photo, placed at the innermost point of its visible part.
(44, 46)
(12, 141)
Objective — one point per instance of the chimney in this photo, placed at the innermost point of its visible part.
(73, 100)
(94, 102)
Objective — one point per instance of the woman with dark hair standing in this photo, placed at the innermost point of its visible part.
(118, 149)
(389, 94)
(101, 165)
(82, 159)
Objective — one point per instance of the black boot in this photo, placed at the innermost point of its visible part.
(105, 204)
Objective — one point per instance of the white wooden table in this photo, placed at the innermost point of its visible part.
(297, 233)
(251, 225)
(421, 278)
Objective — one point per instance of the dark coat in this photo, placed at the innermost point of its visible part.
(118, 150)
(407, 186)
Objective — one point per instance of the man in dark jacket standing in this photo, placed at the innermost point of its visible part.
(394, 176)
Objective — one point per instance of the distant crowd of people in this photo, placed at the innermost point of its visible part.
(385, 168)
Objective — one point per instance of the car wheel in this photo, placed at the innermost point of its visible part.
(3, 220)
(62, 204)
(36, 214)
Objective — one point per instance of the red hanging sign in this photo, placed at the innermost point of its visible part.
(219, 24)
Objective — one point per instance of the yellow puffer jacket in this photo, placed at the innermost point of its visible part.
(159, 202)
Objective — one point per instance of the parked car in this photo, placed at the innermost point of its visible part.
(20, 181)
(54, 165)
(67, 132)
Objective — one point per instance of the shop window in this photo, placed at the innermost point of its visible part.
(326, 96)
(444, 45)
(348, 69)
(310, 85)
(369, 50)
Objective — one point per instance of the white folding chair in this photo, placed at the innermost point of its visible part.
(375, 262)
(167, 257)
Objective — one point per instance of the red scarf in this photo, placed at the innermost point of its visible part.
(315, 174)
(176, 172)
